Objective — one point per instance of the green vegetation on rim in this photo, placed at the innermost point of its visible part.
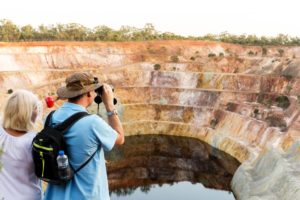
(10, 32)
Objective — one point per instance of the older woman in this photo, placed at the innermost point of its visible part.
(17, 177)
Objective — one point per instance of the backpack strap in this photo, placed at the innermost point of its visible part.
(49, 118)
(86, 162)
(64, 126)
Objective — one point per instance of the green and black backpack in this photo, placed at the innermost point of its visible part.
(46, 145)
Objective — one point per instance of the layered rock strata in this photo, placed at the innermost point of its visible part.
(243, 100)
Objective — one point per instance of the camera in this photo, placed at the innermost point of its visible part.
(98, 98)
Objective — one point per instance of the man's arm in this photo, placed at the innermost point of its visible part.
(115, 123)
(113, 119)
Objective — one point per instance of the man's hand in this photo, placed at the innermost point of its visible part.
(108, 97)
(113, 120)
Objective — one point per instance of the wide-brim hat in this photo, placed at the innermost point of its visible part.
(77, 84)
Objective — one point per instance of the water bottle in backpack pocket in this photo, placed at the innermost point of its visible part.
(64, 170)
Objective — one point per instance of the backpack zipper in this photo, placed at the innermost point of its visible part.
(43, 163)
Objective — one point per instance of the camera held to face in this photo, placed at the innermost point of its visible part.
(98, 98)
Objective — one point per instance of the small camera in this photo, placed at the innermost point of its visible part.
(98, 98)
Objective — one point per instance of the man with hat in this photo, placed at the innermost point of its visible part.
(88, 135)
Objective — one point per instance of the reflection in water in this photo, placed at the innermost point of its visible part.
(178, 191)
(156, 159)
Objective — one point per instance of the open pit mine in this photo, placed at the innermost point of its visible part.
(241, 100)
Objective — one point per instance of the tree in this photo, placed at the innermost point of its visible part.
(76, 32)
(27, 33)
(102, 33)
(9, 32)
(149, 31)
(46, 33)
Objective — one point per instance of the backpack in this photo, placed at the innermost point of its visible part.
(46, 145)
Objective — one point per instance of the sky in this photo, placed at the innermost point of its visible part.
(183, 17)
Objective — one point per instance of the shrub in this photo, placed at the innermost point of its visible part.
(250, 53)
(287, 76)
(236, 70)
(151, 50)
(280, 51)
(10, 91)
(163, 49)
(231, 106)
(211, 55)
(157, 67)
(213, 123)
(283, 102)
(260, 98)
(192, 58)
(288, 88)
(256, 113)
(289, 62)
(269, 103)
(143, 58)
(264, 51)
(221, 54)
(276, 121)
(174, 58)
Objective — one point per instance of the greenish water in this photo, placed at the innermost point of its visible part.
(169, 167)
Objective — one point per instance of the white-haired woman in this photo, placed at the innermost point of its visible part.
(17, 178)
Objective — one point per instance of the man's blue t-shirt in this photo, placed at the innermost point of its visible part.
(82, 140)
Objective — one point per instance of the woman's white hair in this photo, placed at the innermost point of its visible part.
(19, 109)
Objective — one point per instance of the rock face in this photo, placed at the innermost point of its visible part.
(241, 100)
(273, 175)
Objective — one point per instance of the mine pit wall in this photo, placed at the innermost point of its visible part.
(215, 92)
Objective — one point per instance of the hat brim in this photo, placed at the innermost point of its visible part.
(65, 93)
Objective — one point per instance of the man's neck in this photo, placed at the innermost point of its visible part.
(81, 102)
